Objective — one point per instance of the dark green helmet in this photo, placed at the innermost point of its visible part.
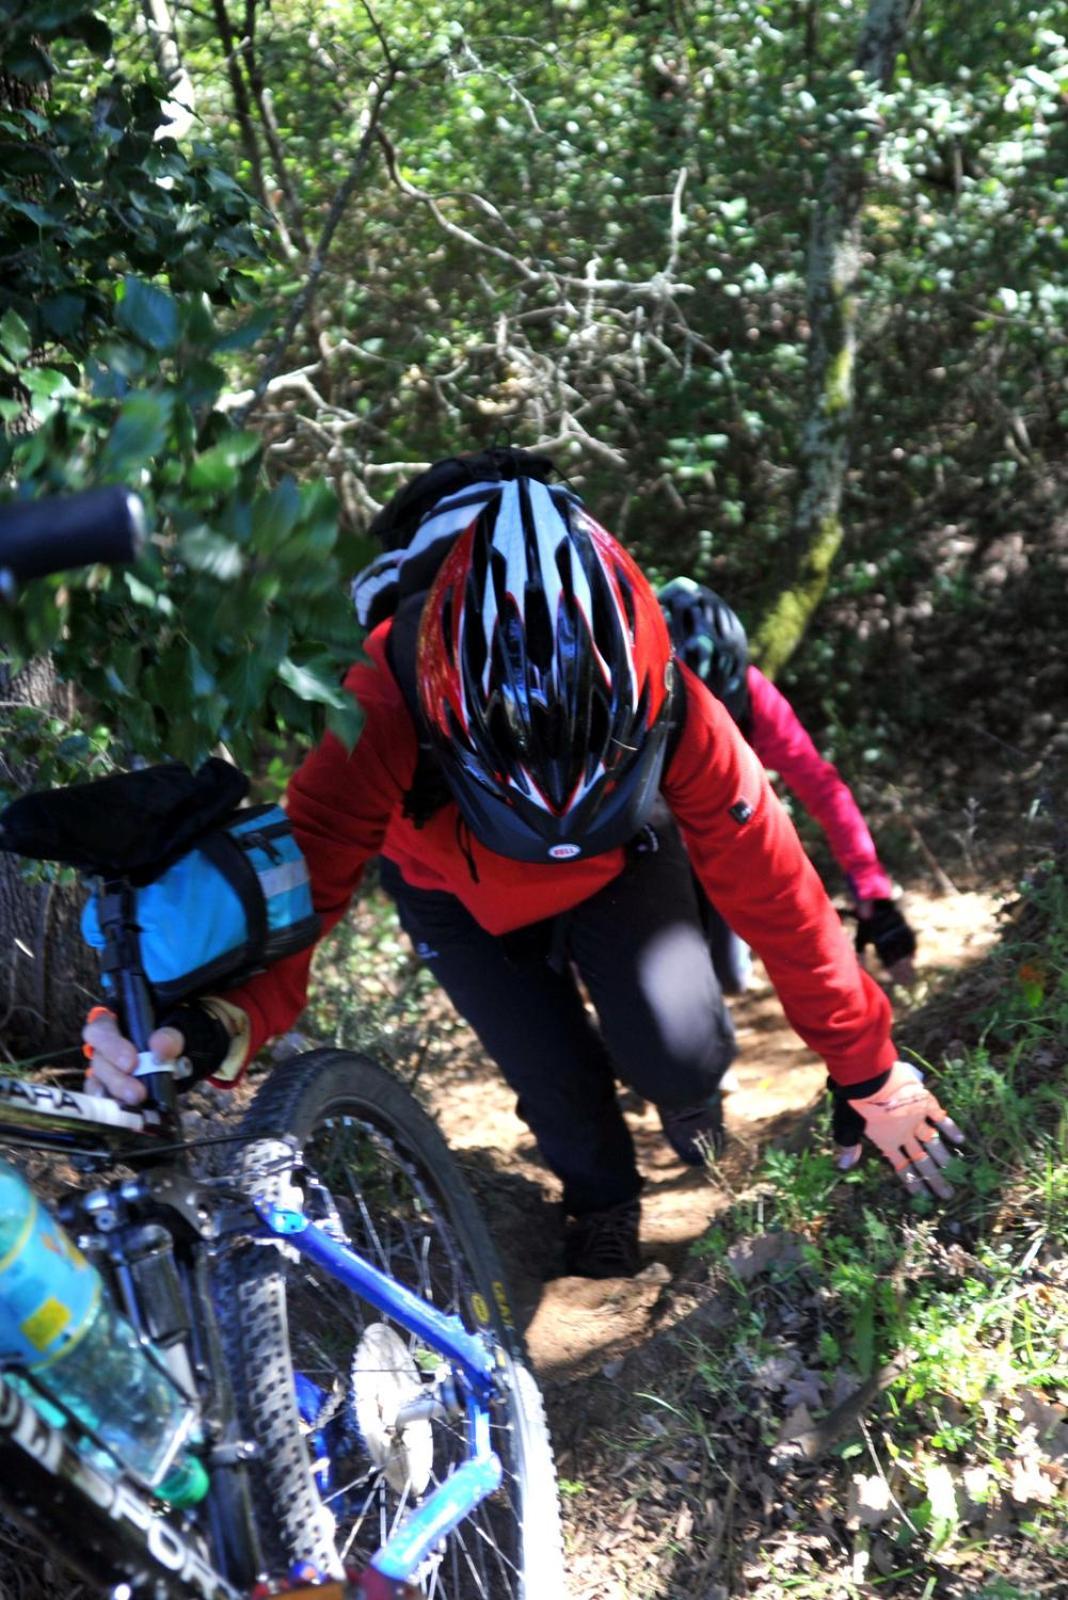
(709, 638)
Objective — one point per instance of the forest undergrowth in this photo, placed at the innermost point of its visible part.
(859, 1395)
(840, 1393)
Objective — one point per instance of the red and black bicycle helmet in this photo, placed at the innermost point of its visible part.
(709, 637)
(544, 676)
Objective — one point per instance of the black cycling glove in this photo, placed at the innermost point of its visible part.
(888, 931)
(847, 1124)
(207, 1042)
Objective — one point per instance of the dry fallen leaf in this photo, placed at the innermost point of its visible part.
(749, 1257)
(1030, 1484)
(1050, 1423)
(869, 1504)
(796, 1422)
(804, 1389)
(775, 1371)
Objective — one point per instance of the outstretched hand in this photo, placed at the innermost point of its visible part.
(906, 1124)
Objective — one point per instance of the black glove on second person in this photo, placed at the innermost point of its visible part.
(888, 931)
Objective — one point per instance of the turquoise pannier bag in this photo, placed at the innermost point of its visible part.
(233, 904)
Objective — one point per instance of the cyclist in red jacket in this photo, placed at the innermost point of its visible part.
(709, 637)
(539, 776)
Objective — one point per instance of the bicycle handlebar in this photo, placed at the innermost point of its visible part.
(50, 535)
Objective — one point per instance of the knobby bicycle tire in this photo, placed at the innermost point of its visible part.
(374, 1163)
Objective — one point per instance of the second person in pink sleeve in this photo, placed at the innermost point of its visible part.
(709, 637)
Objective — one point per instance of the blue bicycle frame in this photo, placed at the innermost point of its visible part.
(481, 1473)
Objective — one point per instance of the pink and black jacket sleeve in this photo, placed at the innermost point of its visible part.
(782, 744)
(750, 863)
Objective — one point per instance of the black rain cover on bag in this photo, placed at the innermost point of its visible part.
(131, 825)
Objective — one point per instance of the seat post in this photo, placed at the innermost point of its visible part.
(121, 962)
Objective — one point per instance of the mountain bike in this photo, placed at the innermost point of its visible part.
(320, 1287)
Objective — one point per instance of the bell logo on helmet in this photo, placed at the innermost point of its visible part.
(564, 852)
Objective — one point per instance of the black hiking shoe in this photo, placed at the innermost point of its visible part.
(604, 1244)
(696, 1132)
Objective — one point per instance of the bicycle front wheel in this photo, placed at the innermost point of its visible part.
(320, 1375)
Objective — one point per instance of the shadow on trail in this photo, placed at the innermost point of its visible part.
(525, 1222)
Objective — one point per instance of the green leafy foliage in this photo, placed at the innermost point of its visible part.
(124, 267)
(617, 250)
(950, 1325)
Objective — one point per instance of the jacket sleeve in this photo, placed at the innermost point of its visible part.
(782, 744)
(339, 803)
(749, 860)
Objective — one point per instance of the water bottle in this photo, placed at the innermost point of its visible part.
(59, 1325)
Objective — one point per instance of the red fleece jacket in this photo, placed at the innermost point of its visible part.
(347, 807)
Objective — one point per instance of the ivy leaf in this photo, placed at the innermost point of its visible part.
(202, 680)
(26, 208)
(216, 471)
(14, 336)
(275, 515)
(245, 682)
(317, 681)
(139, 434)
(205, 551)
(148, 313)
(142, 595)
(47, 388)
(242, 337)
(63, 314)
(202, 383)
(345, 722)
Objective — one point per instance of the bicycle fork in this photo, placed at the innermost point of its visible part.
(481, 1474)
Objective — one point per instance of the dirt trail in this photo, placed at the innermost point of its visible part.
(574, 1326)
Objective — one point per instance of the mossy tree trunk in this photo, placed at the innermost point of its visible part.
(833, 272)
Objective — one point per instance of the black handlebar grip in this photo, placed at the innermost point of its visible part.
(74, 530)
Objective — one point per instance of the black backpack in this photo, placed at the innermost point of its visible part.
(406, 569)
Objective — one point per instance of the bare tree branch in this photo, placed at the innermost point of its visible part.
(301, 305)
(656, 286)
(261, 95)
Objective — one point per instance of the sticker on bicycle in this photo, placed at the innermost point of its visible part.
(46, 1097)
(503, 1306)
(480, 1310)
(47, 1446)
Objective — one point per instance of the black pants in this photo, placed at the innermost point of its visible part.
(639, 948)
